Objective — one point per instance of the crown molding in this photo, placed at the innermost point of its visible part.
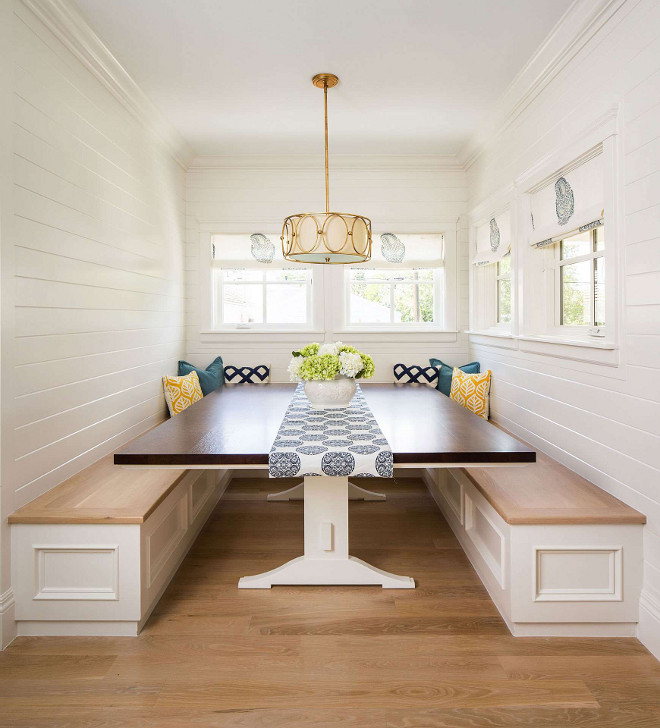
(358, 162)
(583, 20)
(70, 28)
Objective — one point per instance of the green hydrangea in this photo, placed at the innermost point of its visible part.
(309, 350)
(319, 367)
(335, 359)
(368, 369)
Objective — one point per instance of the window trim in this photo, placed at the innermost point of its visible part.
(537, 309)
(506, 277)
(337, 315)
(559, 291)
(438, 289)
(209, 302)
(217, 304)
(327, 280)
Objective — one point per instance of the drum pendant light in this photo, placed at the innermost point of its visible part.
(326, 237)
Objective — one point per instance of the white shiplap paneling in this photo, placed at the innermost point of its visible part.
(96, 251)
(600, 421)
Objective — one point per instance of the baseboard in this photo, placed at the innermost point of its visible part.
(77, 629)
(7, 618)
(574, 629)
(648, 630)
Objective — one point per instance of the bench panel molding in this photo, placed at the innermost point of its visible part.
(74, 572)
(555, 582)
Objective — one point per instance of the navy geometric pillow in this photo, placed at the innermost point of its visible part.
(415, 374)
(247, 375)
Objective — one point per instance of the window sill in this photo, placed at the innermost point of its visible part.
(586, 342)
(391, 330)
(491, 332)
(243, 332)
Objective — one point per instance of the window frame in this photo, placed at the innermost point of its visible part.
(538, 332)
(503, 277)
(438, 303)
(314, 294)
(560, 263)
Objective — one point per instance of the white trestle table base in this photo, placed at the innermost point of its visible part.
(326, 561)
(297, 492)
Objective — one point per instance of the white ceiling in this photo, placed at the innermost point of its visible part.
(234, 76)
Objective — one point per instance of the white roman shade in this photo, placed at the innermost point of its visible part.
(422, 250)
(568, 202)
(493, 239)
(239, 251)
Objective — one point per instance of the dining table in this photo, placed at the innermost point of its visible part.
(236, 427)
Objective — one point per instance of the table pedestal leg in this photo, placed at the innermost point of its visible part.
(326, 560)
(355, 492)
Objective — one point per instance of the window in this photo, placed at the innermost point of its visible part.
(250, 293)
(504, 290)
(492, 310)
(582, 279)
(392, 297)
(406, 294)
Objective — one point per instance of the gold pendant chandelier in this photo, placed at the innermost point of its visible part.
(326, 237)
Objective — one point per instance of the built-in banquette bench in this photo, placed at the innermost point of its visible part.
(558, 555)
(93, 555)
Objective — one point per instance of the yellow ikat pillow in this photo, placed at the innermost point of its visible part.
(471, 391)
(181, 392)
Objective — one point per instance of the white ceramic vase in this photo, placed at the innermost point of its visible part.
(330, 393)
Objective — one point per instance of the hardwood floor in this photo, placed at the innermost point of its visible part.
(437, 656)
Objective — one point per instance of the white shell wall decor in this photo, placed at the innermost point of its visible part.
(494, 235)
(392, 248)
(262, 249)
(565, 204)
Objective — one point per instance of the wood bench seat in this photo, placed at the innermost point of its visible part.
(558, 555)
(547, 492)
(102, 493)
(93, 555)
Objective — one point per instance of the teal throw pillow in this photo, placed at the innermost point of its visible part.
(210, 378)
(445, 372)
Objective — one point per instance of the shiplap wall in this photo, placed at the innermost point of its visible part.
(409, 194)
(603, 422)
(92, 270)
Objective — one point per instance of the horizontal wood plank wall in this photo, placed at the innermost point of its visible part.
(603, 422)
(231, 194)
(97, 250)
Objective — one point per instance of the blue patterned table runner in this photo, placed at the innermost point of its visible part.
(335, 443)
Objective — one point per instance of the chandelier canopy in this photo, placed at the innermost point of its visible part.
(326, 237)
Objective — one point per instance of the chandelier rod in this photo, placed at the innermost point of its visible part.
(327, 174)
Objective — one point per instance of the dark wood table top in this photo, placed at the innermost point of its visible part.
(236, 425)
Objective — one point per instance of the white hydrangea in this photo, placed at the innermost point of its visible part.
(294, 368)
(332, 349)
(351, 364)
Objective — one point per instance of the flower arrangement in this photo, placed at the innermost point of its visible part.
(316, 362)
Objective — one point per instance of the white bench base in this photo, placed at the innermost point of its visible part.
(105, 579)
(566, 580)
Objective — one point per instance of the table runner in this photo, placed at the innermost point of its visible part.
(334, 443)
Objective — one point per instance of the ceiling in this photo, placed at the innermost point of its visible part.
(234, 76)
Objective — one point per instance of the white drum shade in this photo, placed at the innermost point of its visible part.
(326, 237)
